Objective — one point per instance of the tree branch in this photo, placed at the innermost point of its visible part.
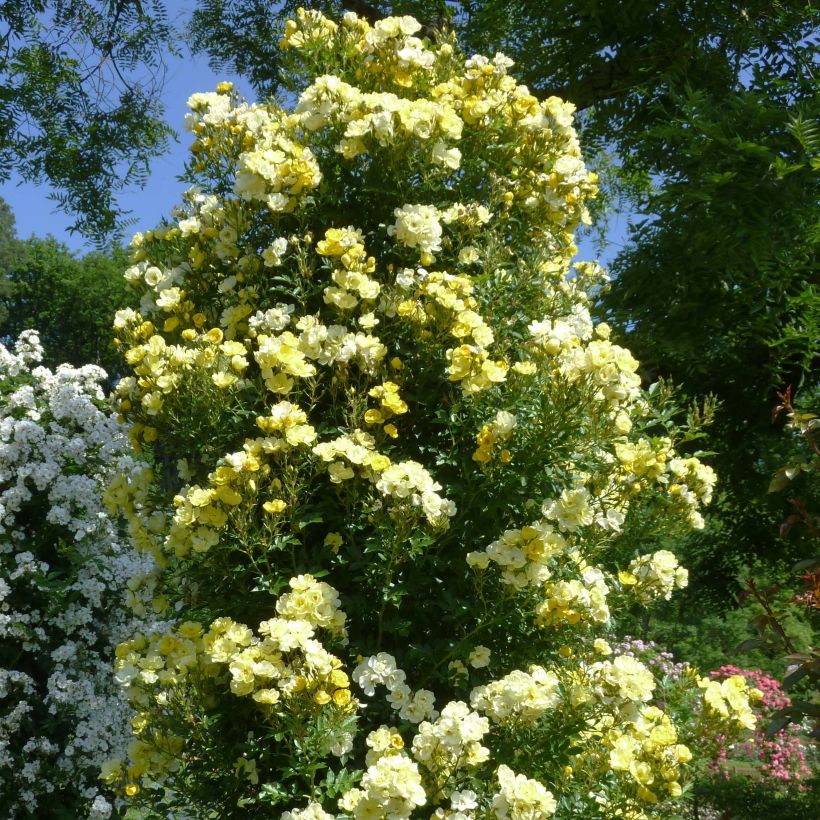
(363, 9)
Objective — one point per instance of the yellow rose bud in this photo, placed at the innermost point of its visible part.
(227, 495)
(334, 541)
(339, 678)
(341, 697)
(482, 455)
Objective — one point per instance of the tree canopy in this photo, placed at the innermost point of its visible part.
(8, 236)
(80, 105)
(68, 299)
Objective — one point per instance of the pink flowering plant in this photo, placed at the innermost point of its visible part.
(783, 758)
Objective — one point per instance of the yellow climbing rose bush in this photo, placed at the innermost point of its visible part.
(397, 482)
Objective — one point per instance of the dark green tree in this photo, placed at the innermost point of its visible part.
(79, 99)
(8, 238)
(718, 289)
(70, 300)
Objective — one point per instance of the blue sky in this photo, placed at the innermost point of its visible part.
(37, 214)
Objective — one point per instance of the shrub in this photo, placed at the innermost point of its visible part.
(400, 481)
(64, 576)
(781, 759)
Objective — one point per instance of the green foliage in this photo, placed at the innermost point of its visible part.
(742, 798)
(713, 638)
(718, 284)
(730, 234)
(79, 100)
(68, 299)
(8, 239)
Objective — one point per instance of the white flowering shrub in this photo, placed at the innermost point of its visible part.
(63, 586)
(402, 482)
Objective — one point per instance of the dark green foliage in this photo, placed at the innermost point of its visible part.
(742, 798)
(8, 233)
(8, 239)
(712, 635)
(223, 31)
(70, 300)
(79, 99)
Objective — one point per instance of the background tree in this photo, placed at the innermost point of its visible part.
(68, 299)
(8, 237)
(79, 99)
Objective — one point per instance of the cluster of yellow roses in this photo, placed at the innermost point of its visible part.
(283, 667)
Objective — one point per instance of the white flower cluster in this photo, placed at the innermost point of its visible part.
(409, 479)
(404, 481)
(622, 680)
(688, 481)
(570, 339)
(391, 787)
(571, 510)
(381, 670)
(518, 697)
(693, 482)
(462, 806)
(417, 226)
(522, 555)
(453, 741)
(313, 811)
(575, 600)
(563, 332)
(521, 798)
(380, 119)
(655, 576)
(315, 602)
(63, 586)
